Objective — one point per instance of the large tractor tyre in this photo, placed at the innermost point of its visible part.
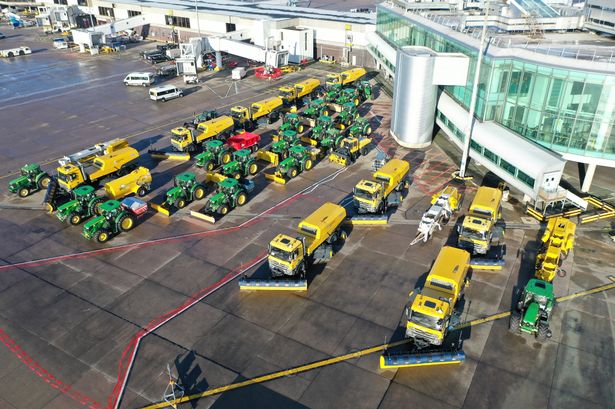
(102, 236)
(180, 203)
(226, 158)
(515, 321)
(23, 192)
(94, 206)
(222, 210)
(237, 175)
(142, 191)
(127, 222)
(253, 148)
(308, 164)
(199, 193)
(49, 208)
(300, 128)
(356, 102)
(363, 151)
(44, 182)
(74, 219)
(283, 156)
(208, 166)
(242, 198)
(292, 172)
(325, 112)
(252, 168)
(543, 333)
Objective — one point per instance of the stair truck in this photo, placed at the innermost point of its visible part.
(479, 232)
(300, 159)
(292, 94)
(349, 150)
(533, 310)
(557, 241)
(346, 77)
(138, 182)
(247, 118)
(290, 258)
(230, 193)
(431, 313)
(31, 179)
(189, 138)
(373, 198)
(118, 160)
(443, 205)
(84, 205)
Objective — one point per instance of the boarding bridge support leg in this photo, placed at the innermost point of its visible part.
(589, 176)
(219, 60)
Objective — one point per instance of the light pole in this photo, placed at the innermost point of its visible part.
(198, 23)
(470, 123)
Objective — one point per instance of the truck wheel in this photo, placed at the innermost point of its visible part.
(102, 236)
(74, 219)
(226, 158)
(308, 164)
(368, 131)
(252, 169)
(515, 320)
(23, 192)
(141, 191)
(44, 182)
(11, 55)
(542, 334)
(222, 210)
(127, 222)
(363, 151)
(292, 172)
(180, 203)
(242, 198)
(343, 235)
(199, 193)
(209, 165)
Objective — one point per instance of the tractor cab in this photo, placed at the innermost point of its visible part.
(83, 193)
(228, 186)
(242, 155)
(110, 208)
(183, 180)
(298, 152)
(534, 310)
(214, 146)
(31, 171)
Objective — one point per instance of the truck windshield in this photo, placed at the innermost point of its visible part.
(485, 214)
(281, 254)
(178, 138)
(202, 128)
(236, 114)
(286, 94)
(426, 320)
(363, 194)
(65, 177)
(473, 234)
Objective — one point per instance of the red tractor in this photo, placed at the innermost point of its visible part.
(246, 140)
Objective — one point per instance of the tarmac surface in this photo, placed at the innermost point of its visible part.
(74, 314)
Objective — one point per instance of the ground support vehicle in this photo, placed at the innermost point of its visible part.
(138, 182)
(242, 165)
(443, 205)
(189, 138)
(292, 122)
(185, 190)
(115, 217)
(373, 198)
(359, 128)
(347, 115)
(31, 179)
(279, 149)
(318, 131)
(432, 311)
(204, 116)
(247, 119)
(480, 233)
(533, 310)
(332, 94)
(290, 258)
(292, 94)
(245, 140)
(315, 108)
(13, 52)
(230, 193)
(346, 77)
(215, 153)
(557, 241)
(349, 149)
(300, 159)
(84, 205)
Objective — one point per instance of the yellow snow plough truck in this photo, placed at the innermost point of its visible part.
(481, 232)
(373, 198)
(346, 77)
(432, 310)
(557, 241)
(290, 258)
(268, 110)
(293, 94)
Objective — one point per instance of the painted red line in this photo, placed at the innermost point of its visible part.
(47, 377)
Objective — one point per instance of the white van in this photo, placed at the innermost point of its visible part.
(165, 93)
(142, 79)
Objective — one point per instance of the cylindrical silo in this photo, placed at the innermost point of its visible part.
(414, 97)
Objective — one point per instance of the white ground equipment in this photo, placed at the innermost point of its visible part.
(443, 205)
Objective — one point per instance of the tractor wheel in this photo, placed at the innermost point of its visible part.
(142, 191)
(515, 320)
(180, 203)
(74, 219)
(242, 198)
(292, 172)
(237, 175)
(226, 158)
(356, 102)
(308, 164)
(23, 192)
(222, 210)
(127, 222)
(363, 151)
(253, 168)
(102, 236)
(283, 156)
(44, 182)
(199, 192)
(300, 128)
(95, 206)
(208, 166)
(49, 207)
(325, 112)
(253, 148)
(543, 333)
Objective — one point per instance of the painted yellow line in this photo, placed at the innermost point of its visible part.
(356, 354)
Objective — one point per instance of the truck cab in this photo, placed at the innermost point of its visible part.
(182, 138)
(432, 307)
(346, 77)
(290, 93)
(286, 256)
(476, 231)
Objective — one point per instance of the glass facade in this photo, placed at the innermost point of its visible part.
(565, 110)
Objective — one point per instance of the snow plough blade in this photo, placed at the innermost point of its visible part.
(160, 208)
(405, 360)
(369, 220)
(179, 156)
(267, 156)
(203, 216)
(487, 263)
(274, 177)
(270, 284)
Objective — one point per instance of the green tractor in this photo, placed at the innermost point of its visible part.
(534, 310)
(323, 124)
(85, 204)
(360, 127)
(292, 122)
(243, 164)
(347, 115)
(364, 89)
(231, 193)
(331, 140)
(185, 189)
(332, 94)
(204, 116)
(113, 220)
(316, 108)
(287, 140)
(299, 159)
(350, 95)
(215, 153)
(31, 179)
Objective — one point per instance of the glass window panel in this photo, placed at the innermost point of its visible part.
(508, 167)
(491, 156)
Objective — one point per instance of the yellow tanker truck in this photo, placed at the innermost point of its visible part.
(290, 94)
